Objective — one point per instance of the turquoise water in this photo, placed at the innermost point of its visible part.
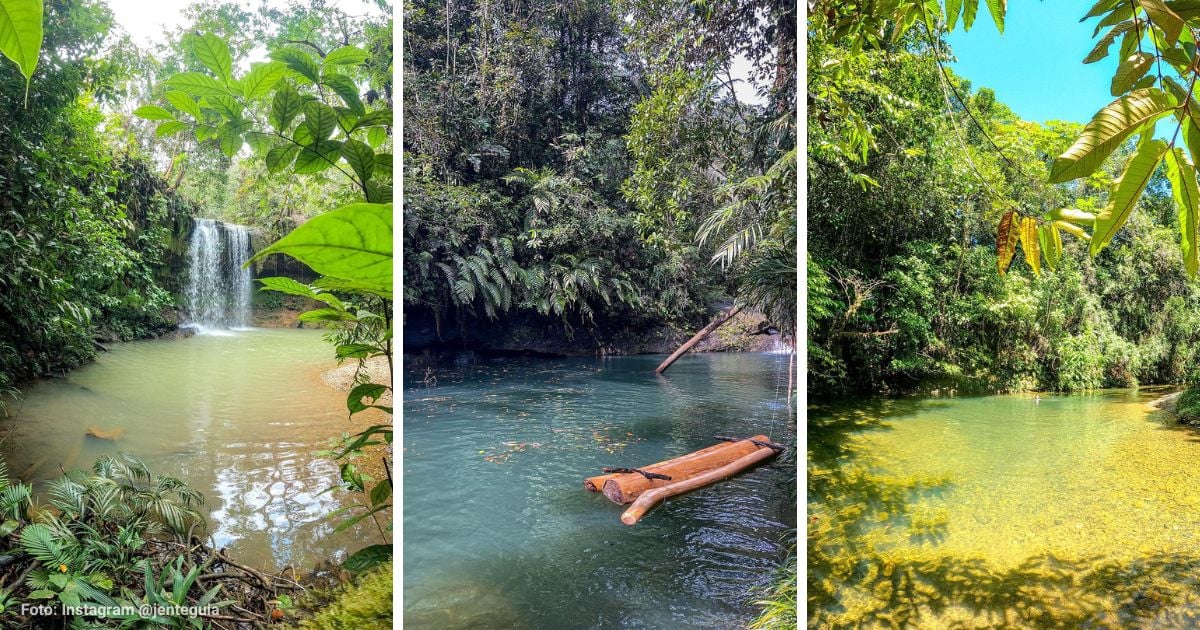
(499, 532)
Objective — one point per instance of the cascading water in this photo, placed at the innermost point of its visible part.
(218, 289)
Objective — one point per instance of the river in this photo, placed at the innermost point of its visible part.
(1018, 511)
(237, 415)
(499, 532)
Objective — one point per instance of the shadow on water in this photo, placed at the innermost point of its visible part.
(858, 576)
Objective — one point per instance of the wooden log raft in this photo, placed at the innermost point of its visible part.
(596, 484)
(651, 498)
(624, 488)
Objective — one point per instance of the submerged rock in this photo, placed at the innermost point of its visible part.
(105, 434)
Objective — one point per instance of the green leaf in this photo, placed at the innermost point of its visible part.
(318, 157)
(281, 157)
(345, 88)
(377, 118)
(353, 242)
(351, 522)
(360, 157)
(970, 8)
(1181, 172)
(997, 9)
(285, 106)
(381, 492)
(1051, 243)
(227, 106)
(169, 128)
(325, 315)
(346, 56)
(213, 52)
(1100, 8)
(299, 62)
(153, 112)
(378, 193)
(291, 287)
(953, 9)
(184, 103)
(196, 84)
(319, 119)
(262, 78)
(1126, 191)
(366, 559)
(1107, 130)
(366, 390)
(1102, 46)
(8, 526)
(1130, 71)
(376, 136)
(1164, 18)
(21, 35)
(349, 286)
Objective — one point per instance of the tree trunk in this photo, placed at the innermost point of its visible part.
(648, 500)
(596, 484)
(704, 332)
(625, 487)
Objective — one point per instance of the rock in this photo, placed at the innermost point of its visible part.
(105, 434)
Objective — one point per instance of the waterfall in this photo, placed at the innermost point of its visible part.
(218, 288)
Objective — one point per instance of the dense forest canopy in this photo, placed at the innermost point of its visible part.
(910, 172)
(589, 163)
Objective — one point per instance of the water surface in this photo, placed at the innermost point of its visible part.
(1068, 510)
(499, 533)
(238, 416)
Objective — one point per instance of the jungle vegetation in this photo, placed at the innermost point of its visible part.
(921, 188)
(587, 166)
(99, 185)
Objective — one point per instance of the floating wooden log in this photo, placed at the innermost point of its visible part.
(651, 498)
(596, 484)
(624, 488)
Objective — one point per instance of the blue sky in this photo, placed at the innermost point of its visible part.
(1036, 67)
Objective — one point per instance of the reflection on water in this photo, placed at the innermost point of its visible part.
(499, 533)
(238, 417)
(1005, 510)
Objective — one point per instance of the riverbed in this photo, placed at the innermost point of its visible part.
(1018, 510)
(499, 532)
(238, 415)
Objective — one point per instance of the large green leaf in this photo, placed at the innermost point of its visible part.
(353, 242)
(345, 56)
(299, 62)
(281, 157)
(262, 78)
(184, 103)
(1108, 129)
(1126, 191)
(997, 9)
(285, 106)
(1051, 243)
(1181, 172)
(196, 84)
(1164, 18)
(970, 8)
(953, 8)
(213, 52)
(291, 287)
(1130, 71)
(360, 157)
(317, 157)
(153, 112)
(319, 119)
(21, 35)
(347, 90)
(1102, 46)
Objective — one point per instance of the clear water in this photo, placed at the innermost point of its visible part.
(237, 416)
(499, 532)
(218, 288)
(1067, 511)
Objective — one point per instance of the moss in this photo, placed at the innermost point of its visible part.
(365, 603)
(1188, 407)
